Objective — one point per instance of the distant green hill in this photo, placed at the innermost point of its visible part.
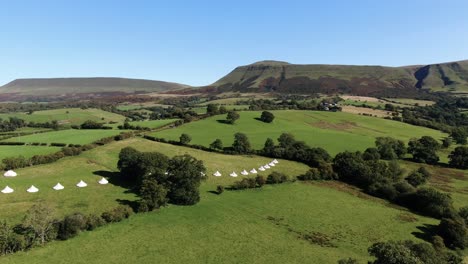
(360, 80)
(84, 86)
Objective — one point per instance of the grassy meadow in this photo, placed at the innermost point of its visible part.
(254, 226)
(69, 136)
(333, 131)
(25, 151)
(90, 166)
(68, 116)
(153, 123)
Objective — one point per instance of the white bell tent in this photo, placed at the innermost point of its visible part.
(58, 187)
(32, 189)
(103, 181)
(81, 184)
(10, 173)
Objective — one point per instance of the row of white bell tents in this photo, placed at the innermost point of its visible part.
(57, 187)
(253, 171)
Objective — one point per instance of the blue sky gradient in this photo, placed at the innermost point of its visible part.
(197, 42)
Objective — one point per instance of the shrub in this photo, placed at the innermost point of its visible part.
(58, 144)
(94, 221)
(219, 189)
(184, 139)
(71, 226)
(117, 214)
(418, 177)
(276, 177)
(260, 180)
(454, 232)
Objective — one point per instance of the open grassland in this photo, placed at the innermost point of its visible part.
(69, 136)
(136, 106)
(364, 110)
(102, 161)
(254, 226)
(25, 130)
(333, 131)
(25, 151)
(153, 123)
(68, 116)
(411, 102)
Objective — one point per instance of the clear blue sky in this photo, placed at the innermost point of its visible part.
(197, 42)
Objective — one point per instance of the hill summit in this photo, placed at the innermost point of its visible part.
(48, 87)
(283, 77)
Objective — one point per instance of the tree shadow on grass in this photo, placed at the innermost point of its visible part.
(426, 232)
(213, 192)
(115, 179)
(132, 204)
(223, 121)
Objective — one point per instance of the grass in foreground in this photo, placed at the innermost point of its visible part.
(333, 131)
(253, 226)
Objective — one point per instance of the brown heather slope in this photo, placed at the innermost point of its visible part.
(82, 87)
(283, 77)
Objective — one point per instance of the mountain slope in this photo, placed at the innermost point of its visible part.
(63, 86)
(362, 80)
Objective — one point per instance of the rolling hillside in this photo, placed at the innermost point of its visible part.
(83, 87)
(360, 80)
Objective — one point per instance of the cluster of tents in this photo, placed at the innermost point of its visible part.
(57, 187)
(265, 167)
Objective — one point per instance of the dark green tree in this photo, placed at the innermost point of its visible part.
(153, 195)
(286, 140)
(267, 117)
(217, 144)
(232, 116)
(390, 148)
(71, 226)
(454, 233)
(185, 176)
(184, 139)
(418, 177)
(459, 135)
(424, 150)
(269, 147)
(459, 158)
(241, 143)
(212, 109)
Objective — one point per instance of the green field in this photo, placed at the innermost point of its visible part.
(333, 131)
(68, 116)
(412, 102)
(254, 226)
(153, 123)
(25, 151)
(95, 197)
(69, 136)
(135, 106)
